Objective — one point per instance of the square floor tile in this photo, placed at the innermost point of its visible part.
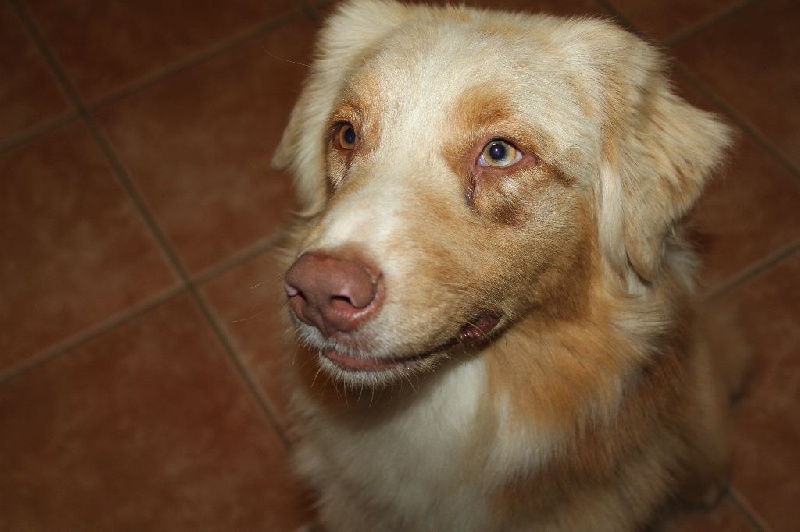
(198, 145)
(148, 427)
(29, 94)
(106, 45)
(750, 60)
(767, 451)
(75, 249)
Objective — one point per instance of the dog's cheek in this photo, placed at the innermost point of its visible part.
(335, 170)
(572, 259)
(549, 259)
(512, 198)
(436, 268)
(500, 201)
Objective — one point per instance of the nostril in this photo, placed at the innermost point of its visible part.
(356, 290)
(291, 291)
(345, 304)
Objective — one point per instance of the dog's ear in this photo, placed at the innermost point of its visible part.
(346, 36)
(658, 152)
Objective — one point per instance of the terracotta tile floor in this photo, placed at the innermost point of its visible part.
(138, 328)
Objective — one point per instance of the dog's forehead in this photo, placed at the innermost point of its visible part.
(433, 63)
(434, 71)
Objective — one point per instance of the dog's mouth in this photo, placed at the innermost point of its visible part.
(354, 362)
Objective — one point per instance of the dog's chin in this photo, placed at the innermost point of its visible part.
(365, 369)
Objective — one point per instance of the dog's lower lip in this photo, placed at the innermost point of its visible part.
(363, 363)
(476, 329)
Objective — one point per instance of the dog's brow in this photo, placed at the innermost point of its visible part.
(482, 104)
(345, 112)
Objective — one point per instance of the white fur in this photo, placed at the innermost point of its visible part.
(415, 484)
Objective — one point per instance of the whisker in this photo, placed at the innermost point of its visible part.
(283, 59)
(316, 374)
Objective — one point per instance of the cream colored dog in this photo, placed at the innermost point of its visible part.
(490, 285)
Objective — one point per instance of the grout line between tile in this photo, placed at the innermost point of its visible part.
(741, 504)
(99, 138)
(752, 271)
(239, 258)
(155, 230)
(199, 57)
(242, 367)
(623, 20)
(87, 335)
(707, 22)
(312, 9)
(307, 10)
(38, 130)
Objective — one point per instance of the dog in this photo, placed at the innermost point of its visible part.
(489, 282)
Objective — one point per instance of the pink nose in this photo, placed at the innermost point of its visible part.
(333, 293)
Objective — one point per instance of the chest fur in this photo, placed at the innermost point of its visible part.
(428, 458)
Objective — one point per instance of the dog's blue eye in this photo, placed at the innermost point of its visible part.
(346, 137)
(499, 153)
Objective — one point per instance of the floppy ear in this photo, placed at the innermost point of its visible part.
(346, 36)
(658, 152)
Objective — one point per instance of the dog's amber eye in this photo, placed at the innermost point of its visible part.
(346, 136)
(499, 153)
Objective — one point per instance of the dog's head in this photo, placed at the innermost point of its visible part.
(461, 169)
